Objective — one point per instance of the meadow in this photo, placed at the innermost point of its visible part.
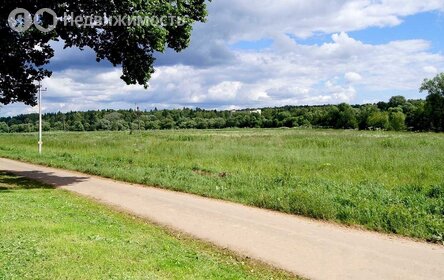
(52, 234)
(390, 182)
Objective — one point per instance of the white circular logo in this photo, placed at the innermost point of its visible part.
(39, 15)
(20, 20)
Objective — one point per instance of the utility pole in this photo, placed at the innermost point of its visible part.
(40, 117)
(138, 115)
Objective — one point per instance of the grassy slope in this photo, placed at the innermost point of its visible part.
(390, 182)
(51, 234)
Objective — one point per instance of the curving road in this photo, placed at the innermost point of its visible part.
(308, 248)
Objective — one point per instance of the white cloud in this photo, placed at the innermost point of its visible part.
(242, 19)
(225, 91)
(301, 75)
(352, 77)
(210, 74)
(430, 69)
(338, 93)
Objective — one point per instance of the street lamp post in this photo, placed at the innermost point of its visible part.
(40, 117)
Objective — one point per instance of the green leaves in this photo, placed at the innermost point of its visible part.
(130, 33)
(435, 101)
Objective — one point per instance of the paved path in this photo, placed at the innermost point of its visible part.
(308, 248)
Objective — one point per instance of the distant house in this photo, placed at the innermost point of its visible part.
(246, 111)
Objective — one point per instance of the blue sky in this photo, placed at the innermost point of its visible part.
(273, 53)
(427, 26)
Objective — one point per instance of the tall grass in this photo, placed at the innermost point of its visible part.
(389, 182)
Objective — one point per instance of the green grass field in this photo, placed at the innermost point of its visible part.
(389, 182)
(52, 234)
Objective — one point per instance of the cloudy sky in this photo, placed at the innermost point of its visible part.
(270, 53)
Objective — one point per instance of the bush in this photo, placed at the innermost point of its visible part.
(397, 120)
(4, 128)
(78, 126)
(378, 120)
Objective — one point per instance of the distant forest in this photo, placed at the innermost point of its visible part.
(398, 114)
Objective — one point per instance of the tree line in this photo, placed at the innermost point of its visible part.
(398, 114)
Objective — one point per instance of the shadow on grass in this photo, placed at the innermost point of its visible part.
(25, 180)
